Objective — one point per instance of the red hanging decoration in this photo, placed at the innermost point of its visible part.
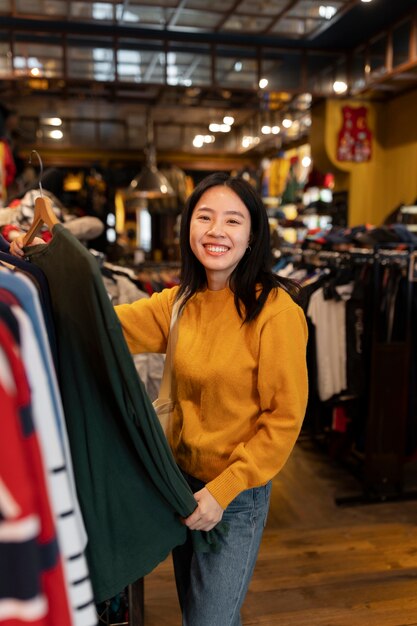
(355, 138)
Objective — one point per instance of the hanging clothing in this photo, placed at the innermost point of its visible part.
(71, 540)
(329, 318)
(32, 586)
(23, 306)
(39, 280)
(130, 489)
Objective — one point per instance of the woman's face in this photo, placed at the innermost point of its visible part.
(219, 233)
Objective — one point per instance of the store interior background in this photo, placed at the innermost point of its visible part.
(98, 86)
(94, 83)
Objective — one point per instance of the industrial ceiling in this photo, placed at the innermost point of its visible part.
(104, 67)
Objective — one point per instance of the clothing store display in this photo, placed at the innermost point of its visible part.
(22, 298)
(130, 489)
(225, 457)
(362, 373)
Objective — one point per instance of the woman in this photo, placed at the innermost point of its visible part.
(240, 385)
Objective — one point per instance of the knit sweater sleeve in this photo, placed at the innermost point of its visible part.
(283, 389)
(145, 323)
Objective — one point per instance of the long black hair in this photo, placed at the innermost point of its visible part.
(252, 280)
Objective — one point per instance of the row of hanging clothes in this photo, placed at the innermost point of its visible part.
(90, 494)
(360, 308)
(44, 578)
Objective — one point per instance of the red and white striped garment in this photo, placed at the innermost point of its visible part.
(32, 586)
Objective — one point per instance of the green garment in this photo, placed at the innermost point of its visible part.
(130, 489)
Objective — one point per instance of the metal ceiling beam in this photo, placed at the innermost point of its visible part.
(228, 14)
(280, 15)
(173, 19)
(17, 24)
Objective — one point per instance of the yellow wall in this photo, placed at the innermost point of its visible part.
(399, 129)
(375, 188)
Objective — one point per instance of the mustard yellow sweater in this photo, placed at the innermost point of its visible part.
(241, 390)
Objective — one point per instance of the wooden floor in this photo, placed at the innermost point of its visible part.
(320, 564)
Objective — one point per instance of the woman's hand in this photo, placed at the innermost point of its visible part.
(207, 514)
(16, 247)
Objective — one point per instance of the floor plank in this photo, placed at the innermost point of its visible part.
(320, 564)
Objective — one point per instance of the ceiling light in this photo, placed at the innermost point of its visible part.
(149, 183)
(306, 161)
(209, 139)
(327, 12)
(366, 0)
(52, 121)
(339, 86)
(225, 128)
(56, 134)
(238, 66)
(228, 119)
(198, 141)
(266, 130)
(263, 83)
(35, 71)
(214, 128)
(111, 235)
(275, 130)
(287, 123)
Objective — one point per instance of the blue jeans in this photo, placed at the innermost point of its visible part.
(212, 586)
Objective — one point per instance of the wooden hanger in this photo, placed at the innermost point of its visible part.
(43, 213)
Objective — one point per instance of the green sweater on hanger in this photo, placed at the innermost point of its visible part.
(131, 491)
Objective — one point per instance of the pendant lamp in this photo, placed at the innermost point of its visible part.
(149, 183)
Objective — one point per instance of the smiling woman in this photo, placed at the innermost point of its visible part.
(220, 234)
(239, 384)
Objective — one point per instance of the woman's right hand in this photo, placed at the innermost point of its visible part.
(16, 247)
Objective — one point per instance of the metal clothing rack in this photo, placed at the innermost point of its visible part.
(135, 597)
(385, 436)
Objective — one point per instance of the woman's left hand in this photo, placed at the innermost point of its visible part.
(207, 514)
